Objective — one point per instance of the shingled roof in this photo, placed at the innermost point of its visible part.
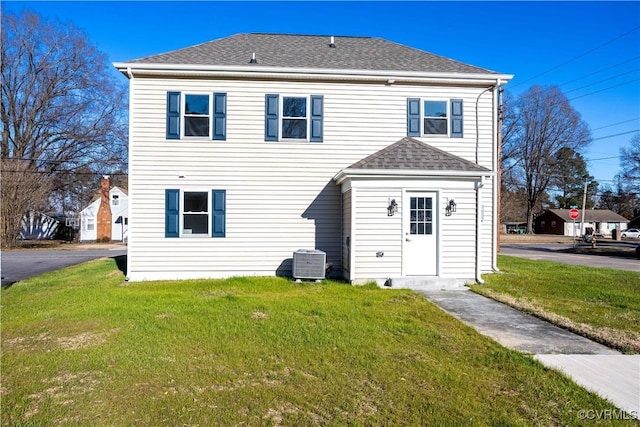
(590, 215)
(411, 154)
(305, 51)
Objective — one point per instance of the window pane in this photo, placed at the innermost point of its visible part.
(294, 107)
(196, 126)
(413, 202)
(413, 228)
(435, 126)
(195, 201)
(420, 202)
(420, 228)
(197, 104)
(435, 109)
(197, 223)
(429, 228)
(294, 128)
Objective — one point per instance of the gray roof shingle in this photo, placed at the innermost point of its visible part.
(411, 154)
(306, 51)
(591, 215)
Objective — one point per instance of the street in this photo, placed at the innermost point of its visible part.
(22, 264)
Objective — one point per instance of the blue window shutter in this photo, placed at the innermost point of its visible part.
(173, 115)
(413, 117)
(271, 110)
(172, 213)
(456, 118)
(220, 116)
(218, 213)
(316, 118)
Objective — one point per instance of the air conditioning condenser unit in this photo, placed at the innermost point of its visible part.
(309, 264)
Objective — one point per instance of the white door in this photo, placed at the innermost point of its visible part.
(420, 238)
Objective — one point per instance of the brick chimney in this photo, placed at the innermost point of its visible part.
(104, 211)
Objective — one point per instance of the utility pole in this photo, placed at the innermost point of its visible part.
(584, 202)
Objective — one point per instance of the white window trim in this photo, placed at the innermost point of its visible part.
(183, 212)
(424, 116)
(90, 221)
(281, 118)
(183, 114)
(115, 200)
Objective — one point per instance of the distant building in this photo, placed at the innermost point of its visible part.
(107, 216)
(558, 221)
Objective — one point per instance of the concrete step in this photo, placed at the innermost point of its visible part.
(424, 283)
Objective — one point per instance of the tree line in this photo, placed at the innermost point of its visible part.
(64, 124)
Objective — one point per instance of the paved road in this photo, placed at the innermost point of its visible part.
(20, 265)
(552, 252)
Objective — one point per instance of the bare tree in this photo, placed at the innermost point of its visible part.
(630, 162)
(542, 122)
(61, 109)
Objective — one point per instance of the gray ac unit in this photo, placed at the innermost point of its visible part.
(309, 264)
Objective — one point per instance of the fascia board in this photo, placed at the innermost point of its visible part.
(390, 77)
(390, 173)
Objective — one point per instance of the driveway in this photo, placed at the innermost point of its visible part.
(553, 252)
(22, 264)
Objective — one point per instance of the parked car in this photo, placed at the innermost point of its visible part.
(631, 233)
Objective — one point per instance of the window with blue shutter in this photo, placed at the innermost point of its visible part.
(271, 112)
(173, 115)
(201, 115)
(218, 213)
(220, 116)
(172, 213)
(413, 117)
(316, 118)
(456, 118)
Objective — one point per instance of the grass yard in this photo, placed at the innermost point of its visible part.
(603, 304)
(82, 347)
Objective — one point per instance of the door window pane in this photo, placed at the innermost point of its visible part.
(421, 215)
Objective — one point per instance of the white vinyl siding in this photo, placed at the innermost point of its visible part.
(289, 184)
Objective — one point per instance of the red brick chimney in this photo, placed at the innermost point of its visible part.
(104, 211)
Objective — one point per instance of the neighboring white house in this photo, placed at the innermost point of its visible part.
(246, 149)
(119, 205)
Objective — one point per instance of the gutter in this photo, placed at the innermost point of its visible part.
(386, 173)
(388, 77)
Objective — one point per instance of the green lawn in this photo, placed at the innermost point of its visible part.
(82, 347)
(601, 303)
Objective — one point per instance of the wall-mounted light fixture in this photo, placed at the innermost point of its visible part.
(392, 208)
(451, 207)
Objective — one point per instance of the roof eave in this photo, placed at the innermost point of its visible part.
(130, 69)
(349, 173)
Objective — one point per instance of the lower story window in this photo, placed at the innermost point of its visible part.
(200, 213)
(196, 212)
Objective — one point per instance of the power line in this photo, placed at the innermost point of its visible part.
(615, 124)
(599, 71)
(601, 81)
(578, 57)
(605, 89)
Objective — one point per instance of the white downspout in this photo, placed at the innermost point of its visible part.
(497, 146)
(479, 185)
(131, 184)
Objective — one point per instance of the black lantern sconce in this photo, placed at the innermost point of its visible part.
(392, 208)
(451, 207)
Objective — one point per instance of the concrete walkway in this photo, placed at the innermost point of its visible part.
(612, 375)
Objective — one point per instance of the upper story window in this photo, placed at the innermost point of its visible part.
(435, 117)
(115, 200)
(196, 115)
(436, 120)
(293, 118)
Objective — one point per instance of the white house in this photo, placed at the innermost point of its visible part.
(118, 204)
(246, 149)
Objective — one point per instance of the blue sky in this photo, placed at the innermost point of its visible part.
(590, 49)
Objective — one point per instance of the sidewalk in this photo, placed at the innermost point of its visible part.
(607, 372)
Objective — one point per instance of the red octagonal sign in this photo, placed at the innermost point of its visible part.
(574, 213)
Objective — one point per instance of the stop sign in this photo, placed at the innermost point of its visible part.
(574, 213)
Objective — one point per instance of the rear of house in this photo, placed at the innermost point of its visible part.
(246, 149)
